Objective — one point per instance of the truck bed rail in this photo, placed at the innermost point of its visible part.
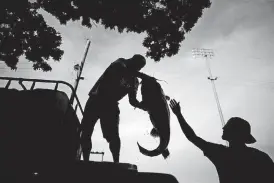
(34, 81)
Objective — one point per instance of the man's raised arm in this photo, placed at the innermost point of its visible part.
(187, 130)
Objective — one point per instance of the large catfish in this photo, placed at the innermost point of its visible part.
(155, 101)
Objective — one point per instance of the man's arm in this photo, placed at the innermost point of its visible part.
(132, 96)
(122, 68)
(187, 130)
(134, 102)
(139, 75)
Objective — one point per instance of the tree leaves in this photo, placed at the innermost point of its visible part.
(26, 32)
(165, 21)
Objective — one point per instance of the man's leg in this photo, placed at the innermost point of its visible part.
(110, 129)
(89, 120)
(115, 146)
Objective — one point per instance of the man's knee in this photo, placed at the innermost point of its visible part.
(85, 137)
(87, 126)
(114, 138)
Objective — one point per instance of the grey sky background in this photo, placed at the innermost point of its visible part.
(241, 34)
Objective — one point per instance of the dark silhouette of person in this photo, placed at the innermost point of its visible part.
(118, 80)
(237, 163)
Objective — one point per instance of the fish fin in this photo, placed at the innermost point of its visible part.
(166, 153)
(154, 133)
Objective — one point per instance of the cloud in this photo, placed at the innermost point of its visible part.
(226, 17)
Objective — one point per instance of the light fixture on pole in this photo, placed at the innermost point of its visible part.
(208, 54)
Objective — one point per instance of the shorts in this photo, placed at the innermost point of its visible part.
(107, 112)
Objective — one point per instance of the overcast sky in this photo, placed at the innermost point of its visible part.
(241, 34)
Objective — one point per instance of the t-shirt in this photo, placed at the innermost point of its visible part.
(245, 165)
(114, 83)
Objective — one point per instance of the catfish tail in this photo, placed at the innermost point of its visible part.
(166, 153)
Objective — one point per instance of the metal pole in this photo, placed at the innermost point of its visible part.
(79, 71)
(215, 91)
(208, 53)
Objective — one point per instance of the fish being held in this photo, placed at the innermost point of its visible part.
(155, 101)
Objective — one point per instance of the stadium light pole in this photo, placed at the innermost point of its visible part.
(208, 54)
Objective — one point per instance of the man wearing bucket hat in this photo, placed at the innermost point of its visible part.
(118, 80)
(237, 163)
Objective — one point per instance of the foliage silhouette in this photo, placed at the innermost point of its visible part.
(24, 31)
(164, 21)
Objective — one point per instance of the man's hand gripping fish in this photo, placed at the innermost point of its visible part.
(155, 101)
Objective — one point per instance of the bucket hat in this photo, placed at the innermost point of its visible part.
(240, 128)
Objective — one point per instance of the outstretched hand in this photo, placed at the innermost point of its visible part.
(175, 106)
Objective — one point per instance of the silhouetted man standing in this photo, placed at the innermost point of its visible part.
(236, 163)
(119, 79)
